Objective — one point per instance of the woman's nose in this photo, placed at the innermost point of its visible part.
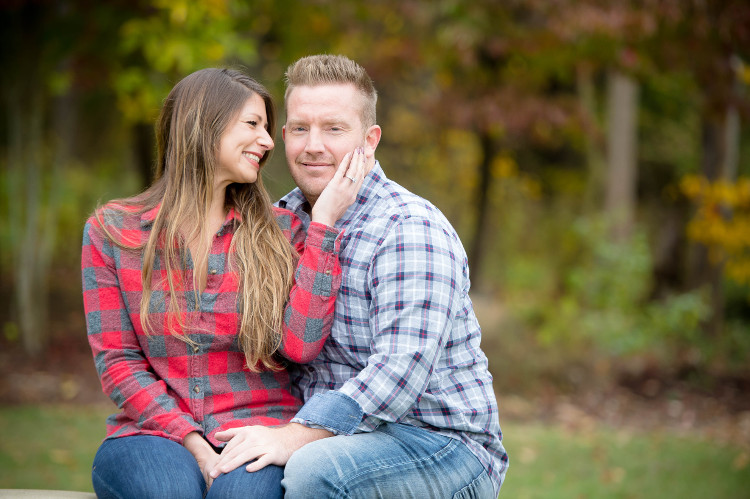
(265, 140)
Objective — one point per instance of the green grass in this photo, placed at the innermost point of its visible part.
(52, 447)
(550, 462)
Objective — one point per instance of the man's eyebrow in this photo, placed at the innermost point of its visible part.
(333, 120)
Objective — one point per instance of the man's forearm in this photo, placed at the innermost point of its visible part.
(301, 435)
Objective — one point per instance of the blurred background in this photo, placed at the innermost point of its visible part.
(594, 157)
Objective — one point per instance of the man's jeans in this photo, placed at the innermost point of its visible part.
(394, 461)
(142, 467)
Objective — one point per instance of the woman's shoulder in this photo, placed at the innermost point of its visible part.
(122, 221)
(117, 213)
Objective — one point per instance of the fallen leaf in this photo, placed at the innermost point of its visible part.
(741, 461)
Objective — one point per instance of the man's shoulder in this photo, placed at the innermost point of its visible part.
(398, 203)
(394, 210)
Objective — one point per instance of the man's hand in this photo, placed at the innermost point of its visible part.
(203, 453)
(262, 445)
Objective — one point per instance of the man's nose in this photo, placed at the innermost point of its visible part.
(314, 142)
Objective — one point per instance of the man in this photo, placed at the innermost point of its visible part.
(400, 402)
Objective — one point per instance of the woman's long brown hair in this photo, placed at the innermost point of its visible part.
(192, 121)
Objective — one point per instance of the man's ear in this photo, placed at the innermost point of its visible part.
(372, 139)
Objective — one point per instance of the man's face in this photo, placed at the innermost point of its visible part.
(323, 123)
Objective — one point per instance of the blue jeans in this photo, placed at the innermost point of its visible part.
(143, 466)
(394, 461)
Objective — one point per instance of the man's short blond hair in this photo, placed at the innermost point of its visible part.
(326, 69)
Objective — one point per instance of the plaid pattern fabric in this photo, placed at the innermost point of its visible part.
(405, 340)
(167, 387)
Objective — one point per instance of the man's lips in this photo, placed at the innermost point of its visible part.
(316, 164)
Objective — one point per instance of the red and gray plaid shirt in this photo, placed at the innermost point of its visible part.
(167, 387)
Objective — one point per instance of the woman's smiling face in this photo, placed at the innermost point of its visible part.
(244, 143)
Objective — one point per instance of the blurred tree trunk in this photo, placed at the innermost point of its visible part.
(482, 197)
(31, 255)
(33, 171)
(622, 171)
(704, 271)
(144, 147)
(720, 143)
(595, 162)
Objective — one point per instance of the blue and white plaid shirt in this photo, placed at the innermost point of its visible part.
(405, 341)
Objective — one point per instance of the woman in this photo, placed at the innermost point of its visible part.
(192, 299)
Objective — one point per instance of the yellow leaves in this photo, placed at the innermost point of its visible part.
(731, 195)
(722, 222)
(69, 388)
(214, 51)
(743, 71)
(175, 39)
(136, 100)
(741, 461)
(394, 23)
(505, 169)
(738, 270)
(62, 457)
(613, 475)
(319, 22)
(504, 166)
(179, 11)
(692, 185)
(531, 188)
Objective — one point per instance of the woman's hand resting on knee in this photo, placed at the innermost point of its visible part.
(202, 451)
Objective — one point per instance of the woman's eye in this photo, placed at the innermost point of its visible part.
(252, 123)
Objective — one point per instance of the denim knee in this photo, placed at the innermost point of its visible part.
(305, 472)
(145, 467)
(392, 461)
(264, 483)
